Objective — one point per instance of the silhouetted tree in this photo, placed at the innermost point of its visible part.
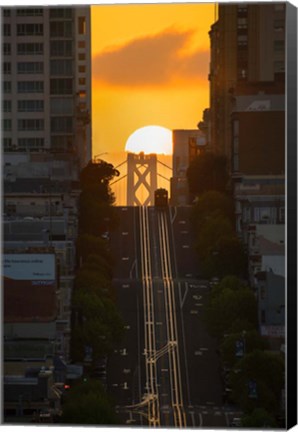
(208, 171)
(88, 404)
(266, 371)
(231, 311)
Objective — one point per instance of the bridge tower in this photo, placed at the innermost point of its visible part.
(141, 173)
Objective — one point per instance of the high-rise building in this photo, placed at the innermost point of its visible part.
(247, 47)
(46, 54)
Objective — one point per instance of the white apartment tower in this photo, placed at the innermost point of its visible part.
(46, 80)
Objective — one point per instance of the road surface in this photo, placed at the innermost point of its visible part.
(166, 371)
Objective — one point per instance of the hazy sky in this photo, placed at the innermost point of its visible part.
(150, 65)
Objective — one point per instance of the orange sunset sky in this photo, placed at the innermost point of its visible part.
(150, 65)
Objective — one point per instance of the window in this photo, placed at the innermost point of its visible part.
(263, 317)
(279, 7)
(6, 12)
(29, 12)
(279, 45)
(82, 81)
(30, 67)
(242, 74)
(6, 105)
(61, 13)
(81, 44)
(242, 39)
(82, 25)
(82, 56)
(61, 29)
(61, 67)
(282, 215)
(279, 66)
(6, 49)
(62, 124)
(279, 25)
(30, 86)
(62, 105)
(7, 142)
(30, 124)
(6, 125)
(61, 48)
(30, 29)
(6, 29)
(6, 68)
(82, 69)
(263, 292)
(6, 87)
(30, 105)
(64, 142)
(242, 23)
(61, 86)
(242, 9)
(30, 48)
(30, 142)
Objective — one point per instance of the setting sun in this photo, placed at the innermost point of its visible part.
(150, 139)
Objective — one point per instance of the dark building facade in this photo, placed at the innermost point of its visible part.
(247, 47)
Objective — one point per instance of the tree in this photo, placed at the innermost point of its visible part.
(214, 228)
(97, 174)
(259, 418)
(231, 311)
(90, 245)
(266, 371)
(251, 340)
(88, 404)
(226, 257)
(231, 282)
(212, 203)
(207, 172)
(100, 326)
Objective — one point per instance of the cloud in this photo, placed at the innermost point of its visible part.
(154, 60)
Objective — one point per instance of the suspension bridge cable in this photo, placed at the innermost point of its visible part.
(160, 175)
(164, 165)
(116, 181)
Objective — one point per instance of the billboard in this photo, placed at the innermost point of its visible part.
(29, 287)
(29, 266)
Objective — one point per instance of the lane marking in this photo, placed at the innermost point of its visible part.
(125, 286)
(125, 258)
(185, 246)
(198, 353)
(125, 233)
(193, 311)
